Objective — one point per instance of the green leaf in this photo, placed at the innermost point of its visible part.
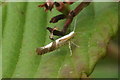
(24, 29)
(12, 35)
(0, 41)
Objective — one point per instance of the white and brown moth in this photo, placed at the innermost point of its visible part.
(55, 44)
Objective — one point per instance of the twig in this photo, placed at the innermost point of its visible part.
(70, 17)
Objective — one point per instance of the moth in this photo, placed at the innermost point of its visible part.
(55, 44)
(65, 39)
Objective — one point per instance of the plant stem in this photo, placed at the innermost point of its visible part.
(70, 17)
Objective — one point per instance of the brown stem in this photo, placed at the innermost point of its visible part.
(70, 17)
(80, 7)
(57, 18)
(54, 31)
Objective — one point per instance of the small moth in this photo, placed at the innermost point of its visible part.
(55, 44)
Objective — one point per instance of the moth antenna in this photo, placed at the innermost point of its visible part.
(75, 24)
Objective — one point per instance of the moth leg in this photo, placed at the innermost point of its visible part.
(75, 44)
(70, 48)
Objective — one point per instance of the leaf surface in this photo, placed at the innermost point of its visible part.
(25, 30)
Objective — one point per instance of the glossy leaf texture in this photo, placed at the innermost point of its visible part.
(24, 29)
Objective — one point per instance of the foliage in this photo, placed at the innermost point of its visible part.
(24, 29)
